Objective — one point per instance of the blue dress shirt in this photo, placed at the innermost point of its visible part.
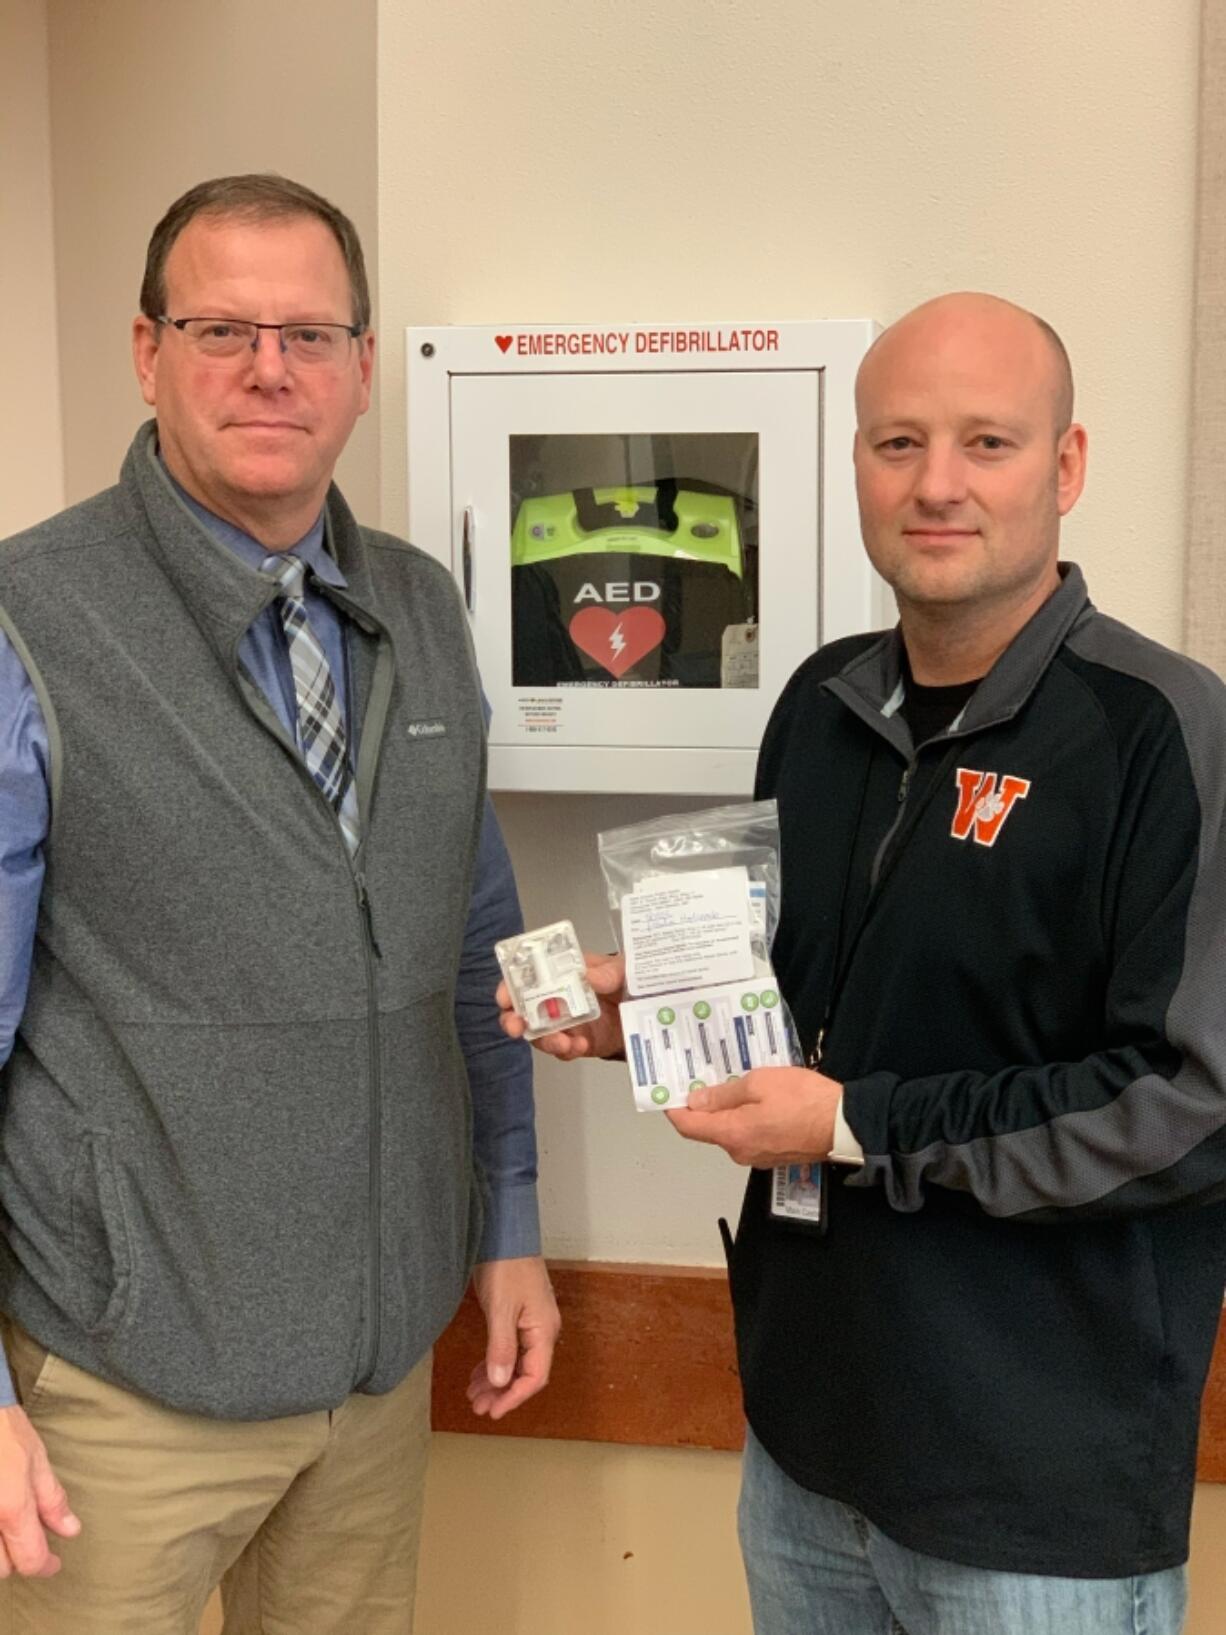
(499, 1069)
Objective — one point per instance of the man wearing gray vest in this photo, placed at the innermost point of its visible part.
(259, 1121)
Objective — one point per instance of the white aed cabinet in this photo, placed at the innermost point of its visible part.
(651, 525)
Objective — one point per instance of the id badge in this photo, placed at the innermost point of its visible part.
(798, 1195)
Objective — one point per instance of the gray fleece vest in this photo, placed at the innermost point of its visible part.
(236, 1164)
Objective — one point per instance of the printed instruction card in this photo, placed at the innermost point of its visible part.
(688, 931)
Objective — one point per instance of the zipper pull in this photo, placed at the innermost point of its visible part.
(905, 783)
(364, 905)
(815, 1055)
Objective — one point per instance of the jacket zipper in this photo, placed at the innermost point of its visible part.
(875, 879)
(904, 789)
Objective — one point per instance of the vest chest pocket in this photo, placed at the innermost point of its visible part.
(427, 769)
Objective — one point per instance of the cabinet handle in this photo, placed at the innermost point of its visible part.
(468, 541)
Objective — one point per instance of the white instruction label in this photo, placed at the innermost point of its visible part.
(687, 931)
(738, 664)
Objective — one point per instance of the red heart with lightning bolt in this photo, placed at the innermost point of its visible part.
(617, 640)
(503, 341)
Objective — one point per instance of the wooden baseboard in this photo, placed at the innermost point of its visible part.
(647, 1357)
(1211, 1462)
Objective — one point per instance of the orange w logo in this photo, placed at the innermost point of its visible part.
(982, 806)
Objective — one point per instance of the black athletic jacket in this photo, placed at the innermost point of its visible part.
(1010, 943)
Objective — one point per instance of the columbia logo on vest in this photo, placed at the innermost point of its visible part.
(985, 800)
(427, 729)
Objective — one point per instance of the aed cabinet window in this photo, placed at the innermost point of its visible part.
(634, 560)
(650, 526)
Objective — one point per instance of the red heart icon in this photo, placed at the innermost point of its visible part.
(504, 341)
(617, 640)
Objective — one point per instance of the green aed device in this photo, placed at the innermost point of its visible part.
(626, 586)
(657, 520)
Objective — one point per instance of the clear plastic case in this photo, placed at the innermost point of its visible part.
(545, 972)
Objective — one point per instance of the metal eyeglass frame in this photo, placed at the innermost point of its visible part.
(354, 331)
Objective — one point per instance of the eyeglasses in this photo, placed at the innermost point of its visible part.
(313, 345)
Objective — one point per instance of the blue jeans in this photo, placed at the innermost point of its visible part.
(817, 1567)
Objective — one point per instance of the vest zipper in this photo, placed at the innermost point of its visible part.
(370, 950)
(367, 916)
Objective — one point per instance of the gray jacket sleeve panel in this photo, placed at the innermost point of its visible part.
(1141, 1125)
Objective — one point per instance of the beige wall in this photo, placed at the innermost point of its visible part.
(148, 99)
(581, 1539)
(33, 454)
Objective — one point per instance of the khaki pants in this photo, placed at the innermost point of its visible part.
(310, 1524)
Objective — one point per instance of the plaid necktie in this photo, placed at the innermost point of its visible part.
(321, 730)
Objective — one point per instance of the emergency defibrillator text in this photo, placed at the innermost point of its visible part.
(624, 342)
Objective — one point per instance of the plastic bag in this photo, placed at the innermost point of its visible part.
(745, 835)
(694, 899)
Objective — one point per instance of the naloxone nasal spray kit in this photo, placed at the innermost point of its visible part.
(695, 900)
(695, 903)
(545, 973)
